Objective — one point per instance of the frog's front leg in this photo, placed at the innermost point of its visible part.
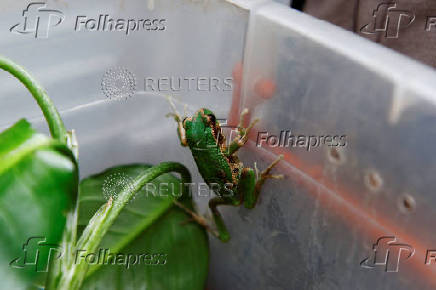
(180, 129)
(255, 182)
(242, 137)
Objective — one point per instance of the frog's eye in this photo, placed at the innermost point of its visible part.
(184, 121)
(211, 118)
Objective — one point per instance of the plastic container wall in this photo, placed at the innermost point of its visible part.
(309, 231)
(315, 229)
(201, 39)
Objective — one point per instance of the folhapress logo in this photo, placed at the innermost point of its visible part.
(387, 253)
(389, 20)
(37, 253)
(38, 20)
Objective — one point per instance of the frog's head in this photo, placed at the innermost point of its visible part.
(199, 125)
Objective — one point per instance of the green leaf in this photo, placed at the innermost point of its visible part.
(38, 186)
(149, 224)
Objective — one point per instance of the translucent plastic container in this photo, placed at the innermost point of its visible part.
(311, 230)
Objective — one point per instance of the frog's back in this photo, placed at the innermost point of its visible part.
(205, 139)
(211, 163)
(213, 167)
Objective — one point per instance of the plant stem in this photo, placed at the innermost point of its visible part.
(55, 124)
(74, 273)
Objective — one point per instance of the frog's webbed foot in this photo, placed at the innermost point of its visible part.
(251, 196)
(265, 173)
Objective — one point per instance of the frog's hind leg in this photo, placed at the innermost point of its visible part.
(202, 221)
(221, 229)
(251, 196)
(223, 233)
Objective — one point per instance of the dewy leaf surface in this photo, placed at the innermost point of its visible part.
(149, 224)
(38, 185)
